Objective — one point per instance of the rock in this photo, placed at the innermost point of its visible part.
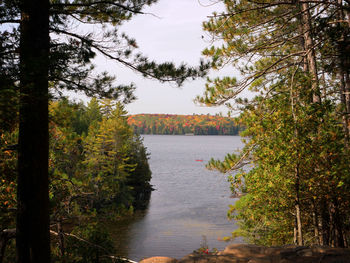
(261, 260)
(244, 250)
(246, 253)
(330, 250)
(159, 260)
(196, 258)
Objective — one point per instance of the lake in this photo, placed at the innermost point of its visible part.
(189, 203)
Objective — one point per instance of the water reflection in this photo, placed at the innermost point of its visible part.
(122, 231)
(189, 201)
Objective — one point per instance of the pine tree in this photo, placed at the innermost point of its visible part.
(296, 145)
(51, 50)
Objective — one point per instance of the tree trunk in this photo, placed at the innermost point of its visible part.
(344, 64)
(297, 207)
(331, 226)
(315, 222)
(345, 241)
(295, 231)
(345, 117)
(61, 245)
(324, 223)
(335, 224)
(33, 239)
(299, 228)
(347, 94)
(298, 237)
(310, 51)
(321, 229)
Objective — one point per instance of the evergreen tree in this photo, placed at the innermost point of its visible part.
(32, 228)
(297, 148)
(51, 50)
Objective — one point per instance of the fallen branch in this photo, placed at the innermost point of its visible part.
(93, 245)
(8, 234)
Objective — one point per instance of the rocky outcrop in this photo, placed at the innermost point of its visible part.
(245, 253)
(159, 260)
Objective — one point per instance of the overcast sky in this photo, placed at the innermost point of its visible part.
(176, 35)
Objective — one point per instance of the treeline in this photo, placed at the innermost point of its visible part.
(296, 58)
(98, 169)
(183, 124)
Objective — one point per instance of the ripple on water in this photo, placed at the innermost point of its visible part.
(190, 202)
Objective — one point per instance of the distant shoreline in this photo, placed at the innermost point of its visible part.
(203, 135)
(172, 124)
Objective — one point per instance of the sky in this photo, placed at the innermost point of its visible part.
(174, 33)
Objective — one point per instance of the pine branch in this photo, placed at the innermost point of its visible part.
(113, 3)
(103, 50)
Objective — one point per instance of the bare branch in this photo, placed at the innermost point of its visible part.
(11, 148)
(91, 244)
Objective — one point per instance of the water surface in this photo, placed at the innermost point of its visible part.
(189, 201)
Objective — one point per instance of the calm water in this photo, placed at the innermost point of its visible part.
(189, 201)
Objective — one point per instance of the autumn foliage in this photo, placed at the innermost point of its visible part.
(183, 124)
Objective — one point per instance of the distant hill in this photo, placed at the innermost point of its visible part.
(183, 124)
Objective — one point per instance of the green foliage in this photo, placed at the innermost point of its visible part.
(140, 178)
(298, 147)
(102, 169)
(55, 47)
(98, 169)
(8, 179)
(72, 51)
(94, 245)
(8, 107)
(204, 248)
(277, 144)
(266, 212)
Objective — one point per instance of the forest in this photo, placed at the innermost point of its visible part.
(294, 171)
(98, 169)
(53, 168)
(62, 161)
(183, 124)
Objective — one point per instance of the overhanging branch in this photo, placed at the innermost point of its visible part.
(93, 3)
